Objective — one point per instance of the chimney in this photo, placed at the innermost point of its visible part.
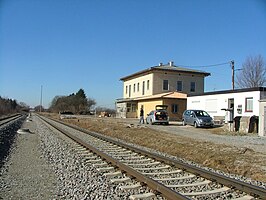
(160, 64)
(171, 63)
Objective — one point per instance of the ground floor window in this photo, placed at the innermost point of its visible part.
(174, 108)
(249, 104)
(131, 107)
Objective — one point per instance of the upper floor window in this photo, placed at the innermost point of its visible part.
(143, 87)
(165, 85)
(129, 91)
(126, 89)
(134, 87)
(179, 86)
(249, 104)
(138, 87)
(192, 87)
(148, 84)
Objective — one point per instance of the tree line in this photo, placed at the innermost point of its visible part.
(9, 106)
(76, 103)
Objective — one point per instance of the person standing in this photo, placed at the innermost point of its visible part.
(141, 119)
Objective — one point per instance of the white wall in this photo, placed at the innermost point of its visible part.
(262, 118)
(214, 103)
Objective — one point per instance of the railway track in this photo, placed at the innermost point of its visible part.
(134, 168)
(8, 119)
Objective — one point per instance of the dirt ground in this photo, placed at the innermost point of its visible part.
(230, 159)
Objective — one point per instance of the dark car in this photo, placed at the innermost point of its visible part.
(159, 115)
(197, 118)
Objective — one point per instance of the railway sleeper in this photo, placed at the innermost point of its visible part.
(246, 197)
(208, 192)
(104, 169)
(190, 185)
(113, 174)
(119, 152)
(103, 164)
(120, 180)
(153, 168)
(143, 164)
(137, 161)
(131, 187)
(149, 195)
(130, 157)
(175, 178)
(123, 154)
(162, 173)
(93, 161)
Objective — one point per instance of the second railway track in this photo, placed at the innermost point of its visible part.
(134, 169)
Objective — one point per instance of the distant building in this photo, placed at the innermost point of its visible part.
(159, 85)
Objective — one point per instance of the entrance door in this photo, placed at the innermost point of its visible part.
(231, 105)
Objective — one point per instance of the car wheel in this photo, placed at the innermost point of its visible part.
(151, 122)
(167, 123)
(196, 125)
(183, 123)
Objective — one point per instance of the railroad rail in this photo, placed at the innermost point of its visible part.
(169, 178)
(8, 119)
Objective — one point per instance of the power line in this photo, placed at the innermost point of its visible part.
(213, 65)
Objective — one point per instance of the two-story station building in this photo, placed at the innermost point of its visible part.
(159, 85)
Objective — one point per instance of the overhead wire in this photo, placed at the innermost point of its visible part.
(201, 66)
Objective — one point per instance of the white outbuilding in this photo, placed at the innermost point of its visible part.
(240, 107)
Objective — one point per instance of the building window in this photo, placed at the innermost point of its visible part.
(134, 88)
(126, 89)
(134, 108)
(249, 104)
(165, 85)
(192, 87)
(138, 87)
(148, 84)
(174, 108)
(143, 87)
(179, 86)
(129, 91)
(129, 107)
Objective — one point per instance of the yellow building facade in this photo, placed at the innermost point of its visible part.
(159, 85)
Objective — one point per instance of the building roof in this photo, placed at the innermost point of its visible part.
(168, 67)
(231, 91)
(167, 95)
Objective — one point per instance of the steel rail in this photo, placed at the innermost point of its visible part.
(152, 184)
(5, 120)
(253, 190)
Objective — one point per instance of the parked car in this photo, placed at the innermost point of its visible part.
(158, 116)
(67, 115)
(197, 118)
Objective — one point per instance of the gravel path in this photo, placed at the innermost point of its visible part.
(26, 175)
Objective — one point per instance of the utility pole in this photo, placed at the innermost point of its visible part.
(233, 74)
(41, 100)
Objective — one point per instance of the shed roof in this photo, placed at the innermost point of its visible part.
(261, 89)
(168, 67)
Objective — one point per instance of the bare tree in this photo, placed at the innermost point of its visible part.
(253, 73)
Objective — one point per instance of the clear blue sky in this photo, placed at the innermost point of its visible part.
(66, 45)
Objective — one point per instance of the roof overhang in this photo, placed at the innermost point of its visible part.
(168, 95)
(175, 69)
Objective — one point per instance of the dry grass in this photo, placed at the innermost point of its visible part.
(226, 158)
